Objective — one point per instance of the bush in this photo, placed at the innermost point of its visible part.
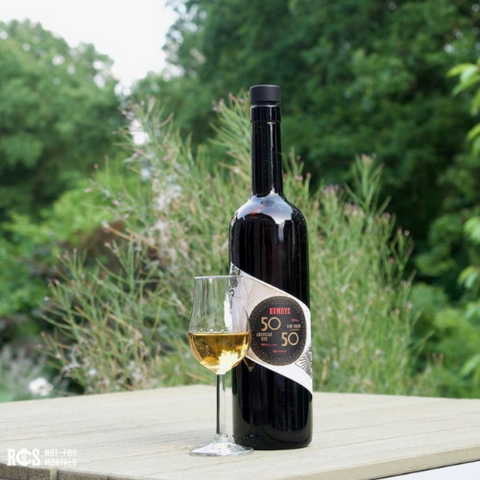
(363, 327)
(28, 254)
(124, 327)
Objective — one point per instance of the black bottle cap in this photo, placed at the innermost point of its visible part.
(265, 94)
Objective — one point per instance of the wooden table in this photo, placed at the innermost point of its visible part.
(148, 434)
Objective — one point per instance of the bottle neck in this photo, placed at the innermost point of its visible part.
(267, 174)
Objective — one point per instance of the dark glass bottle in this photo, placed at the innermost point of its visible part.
(268, 240)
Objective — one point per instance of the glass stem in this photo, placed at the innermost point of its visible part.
(221, 408)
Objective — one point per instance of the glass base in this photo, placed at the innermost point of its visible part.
(219, 447)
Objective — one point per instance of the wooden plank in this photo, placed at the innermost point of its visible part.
(147, 435)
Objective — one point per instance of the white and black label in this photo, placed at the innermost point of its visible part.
(281, 330)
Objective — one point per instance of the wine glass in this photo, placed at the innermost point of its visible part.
(219, 336)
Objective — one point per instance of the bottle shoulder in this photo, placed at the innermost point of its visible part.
(273, 206)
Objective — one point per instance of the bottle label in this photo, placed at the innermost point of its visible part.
(281, 330)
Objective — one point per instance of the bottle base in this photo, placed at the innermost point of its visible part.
(258, 442)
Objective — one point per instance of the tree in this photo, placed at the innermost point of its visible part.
(358, 77)
(58, 110)
(449, 250)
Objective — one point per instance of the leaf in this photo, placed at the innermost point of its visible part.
(468, 73)
(476, 146)
(470, 365)
(458, 69)
(472, 229)
(474, 132)
(465, 85)
(472, 312)
(469, 276)
(475, 103)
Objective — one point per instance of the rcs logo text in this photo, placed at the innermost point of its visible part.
(23, 457)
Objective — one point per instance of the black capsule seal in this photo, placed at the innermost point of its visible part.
(265, 94)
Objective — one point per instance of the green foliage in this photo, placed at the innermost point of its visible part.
(358, 77)
(125, 328)
(453, 331)
(361, 77)
(469, 76)
(58, 110)
(450, 252)
(112, 329)
(358, 260)
(453, 342)
(470, 277)
(470, 280)
(29, 256)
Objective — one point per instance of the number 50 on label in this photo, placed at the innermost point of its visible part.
(274, 323)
